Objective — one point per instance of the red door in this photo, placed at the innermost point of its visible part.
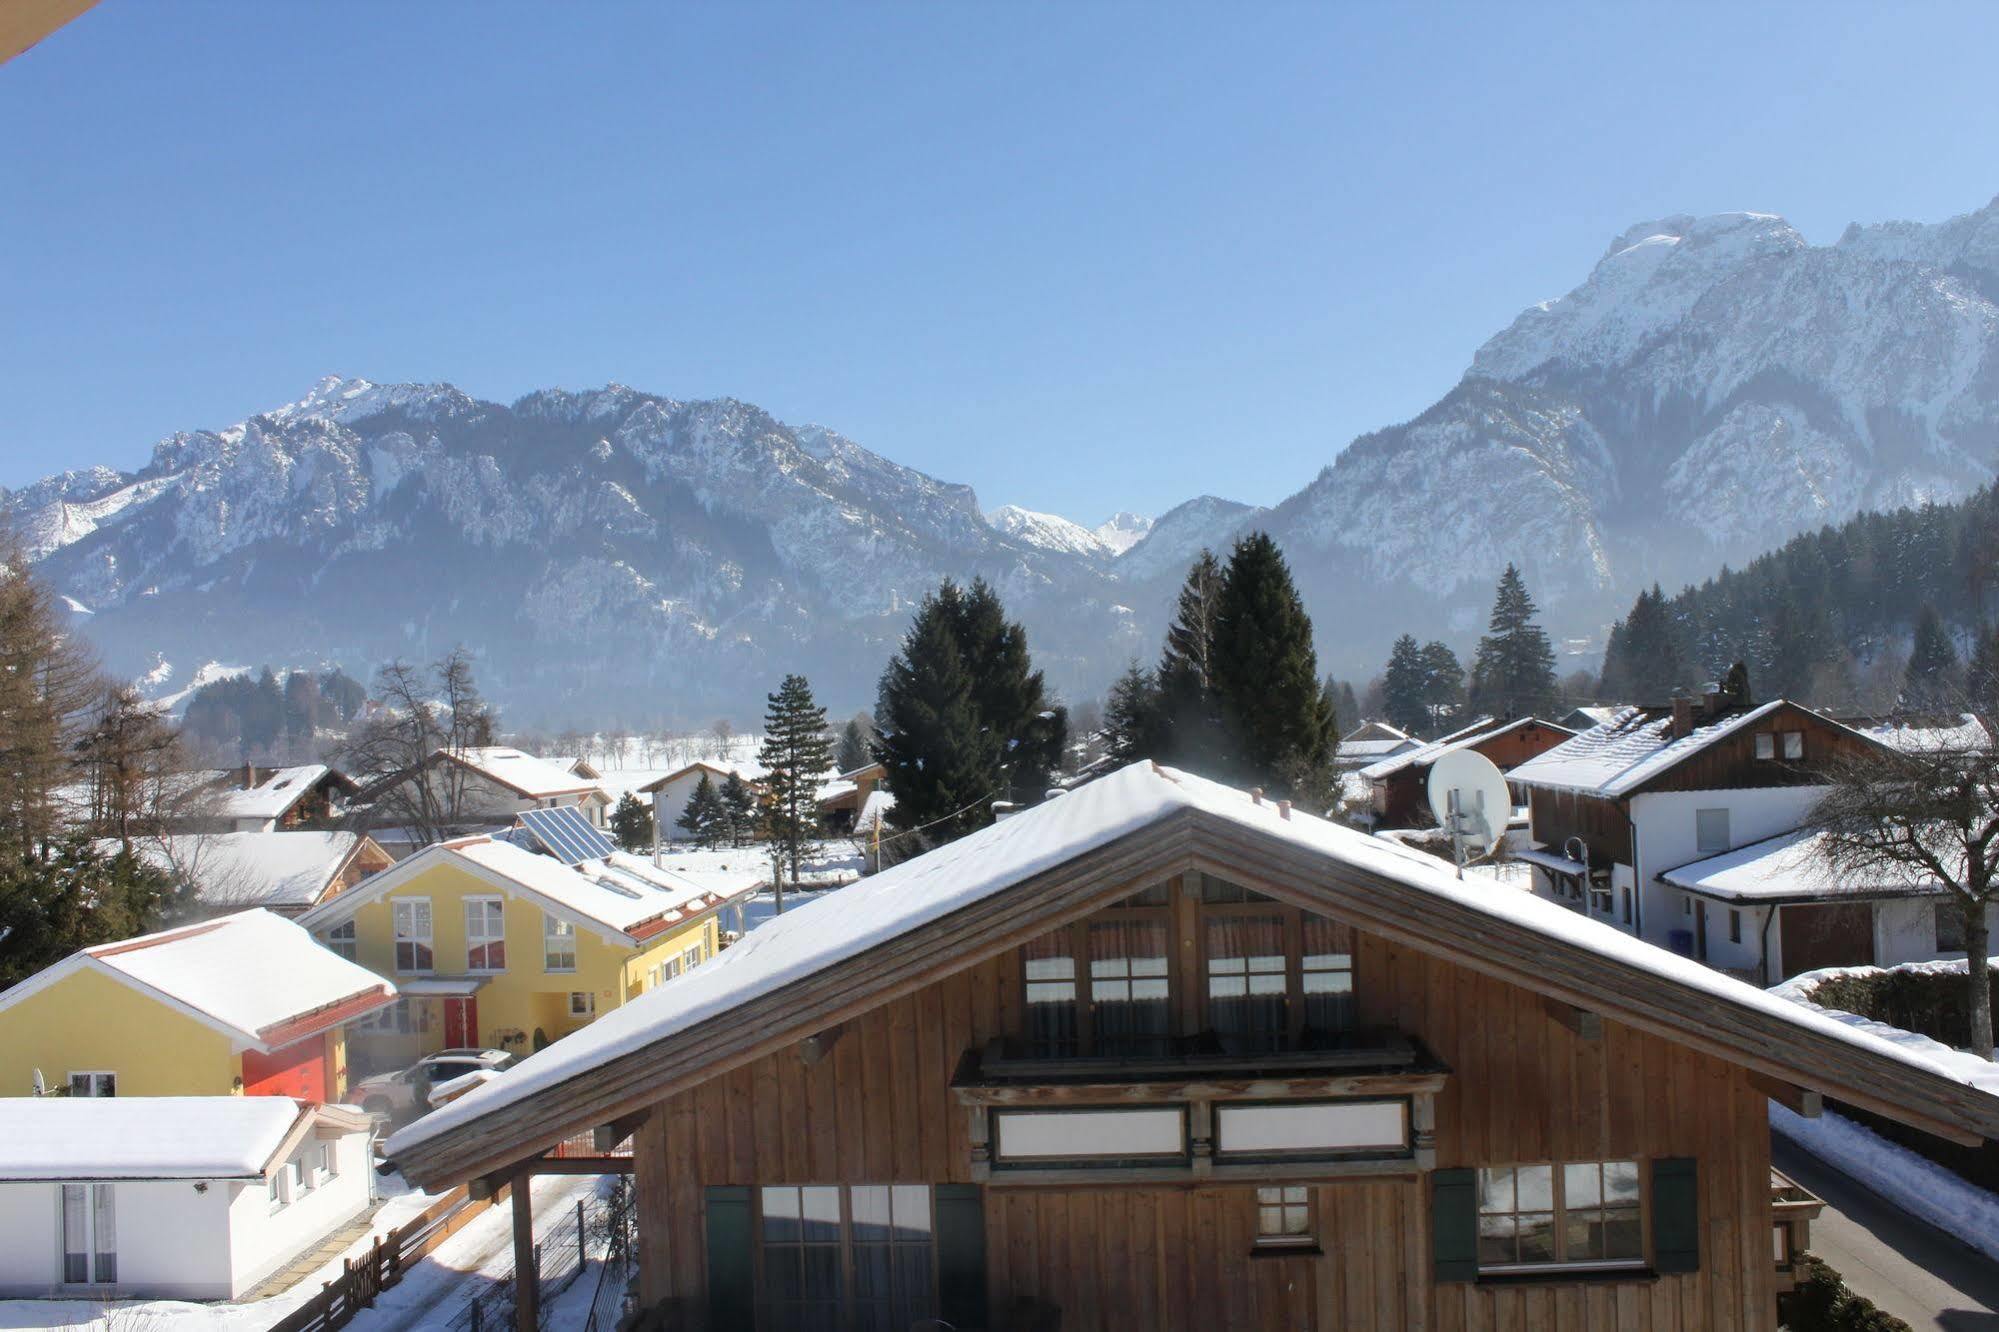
(298, 1069)
(461, 1022)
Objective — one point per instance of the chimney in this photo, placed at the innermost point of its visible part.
(1683, 717)
(249, 776)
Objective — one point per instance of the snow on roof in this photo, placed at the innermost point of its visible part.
(521, 771)
(142, 1137)
(1927, 735)
(1789, 867)
(272, 869)
(257, 977)
(833, 930)
(715, 768)
(1373, 750)
(1374, 730)
(269, 798)
(1629, 750)
(1462, 738)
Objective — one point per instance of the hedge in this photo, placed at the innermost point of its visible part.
(1929, 1002)
(1822, 1303)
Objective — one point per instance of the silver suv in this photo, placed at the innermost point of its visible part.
(407, 1093)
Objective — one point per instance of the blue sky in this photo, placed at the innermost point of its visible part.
(1082, 257)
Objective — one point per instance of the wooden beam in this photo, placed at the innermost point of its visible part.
(814, 1048)
(527, 1280)
(606, 1137)
(1798, 1100)
(1580, 1022)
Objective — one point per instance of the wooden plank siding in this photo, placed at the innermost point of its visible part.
(1525, 1088)
(1730, 762)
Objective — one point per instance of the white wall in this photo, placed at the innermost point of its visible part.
(262, 1241)
(669, 802)
(1663, 824)
(172, 1239)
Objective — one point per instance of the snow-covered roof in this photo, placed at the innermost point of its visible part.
(622, 895)
(143, 1137)
(1374, 730)
(715, 768)
(271, 797)
(1372, 751)
(1465, 737)
(832, 932)
(271, 869)
(1790, 867)
(1928, 735)
(256, 977)
(1629, 750)
(518, 770)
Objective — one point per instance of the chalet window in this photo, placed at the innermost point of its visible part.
(485, 934)
(1131, 997)
(303, 1177)
(89, 1235)
(93, 1084)
(343, 940)
(1949, 923)
(413, 934)
(1577, 1214)
(558, 944)
(1284, 1217)
(1711, 831)
(1734, 925)
(1049, 966)
(1794, 744)
(1247, 970)
(329, 1162)
(861, 1256)
(1766, 745)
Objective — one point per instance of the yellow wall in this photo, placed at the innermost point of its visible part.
(89, 1022)
(523, 997)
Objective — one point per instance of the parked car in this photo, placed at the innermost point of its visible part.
(406, 1094)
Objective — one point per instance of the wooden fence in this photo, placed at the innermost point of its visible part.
(382, 1266)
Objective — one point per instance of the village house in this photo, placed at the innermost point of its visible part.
(842, 800)
(245, 1004)
(1399, 785)
(671, 793)
(253, 799)
(1371, 742)
(285, 872)
(180, 1197)
(1616, 810)
(1162, 1054)
(482, 786)
(514, 940)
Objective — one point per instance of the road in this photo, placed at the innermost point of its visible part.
(1910, 1269)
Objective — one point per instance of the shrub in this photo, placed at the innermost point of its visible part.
(1822, 1303)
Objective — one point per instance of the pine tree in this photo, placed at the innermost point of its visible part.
(1405, 687)
(1514, 671)
(301, 710)
(796, 755)
(942, 765)
(1132, 716)
(1349, 706)
(1009, 696)
(631, 823)
(1929, 684)
(1264, 671)
(1188, 729)
(703, 819)
(1981, 683)
(855, 738)
(739, 809)
(1643, 662)
(1443, 687)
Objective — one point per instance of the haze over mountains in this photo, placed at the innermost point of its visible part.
(1712, 387)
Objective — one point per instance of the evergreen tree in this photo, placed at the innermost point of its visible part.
(1349, 706)
(942, 764)
(1405, 687)
(796, 755)
(1930, 683)
(342, 693)
(1981, 682)
(1188, 728)
(855, 738)
(739, 809)
(71, 897)
(704, 819)
(301, 710)
(631, 823)
(1008, 695)
(1514, 671)
(1264, 671)
(1643, 662)
(1132, 716)
(1443, 687)
(264, 717)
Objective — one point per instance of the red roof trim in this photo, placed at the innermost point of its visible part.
(154, 941)
(327, 1016)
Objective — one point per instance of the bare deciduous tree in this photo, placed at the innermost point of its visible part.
(409, 752)
(1928, 812)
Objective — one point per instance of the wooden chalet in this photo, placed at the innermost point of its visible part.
(1400, 784)
(1159, 1053)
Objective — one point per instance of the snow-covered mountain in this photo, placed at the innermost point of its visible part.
(1712, 387)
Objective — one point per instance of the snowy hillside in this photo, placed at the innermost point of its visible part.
(1048, 532)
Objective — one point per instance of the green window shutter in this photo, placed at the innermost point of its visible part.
(961, 1255)
(1454, 1224)
(1676, 1215)
(731, 1268)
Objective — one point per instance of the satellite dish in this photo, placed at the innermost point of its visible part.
(1469, 797)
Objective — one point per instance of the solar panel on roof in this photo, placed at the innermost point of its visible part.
(567, 834)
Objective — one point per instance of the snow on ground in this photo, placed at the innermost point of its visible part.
(1912, 1182)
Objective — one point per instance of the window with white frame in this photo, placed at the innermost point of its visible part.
(1574, 1214)
(1766, 745)
(274, 1189)
(89, 1235)
(1284, 1216)
(93, 1084)
(329, 1161)
(583, 1003)
(411, 916)
(1711, 831)
(558, 944)
(1794, 744)
(691, 958)
(343, 940)
(485, 934)
(304, 1177)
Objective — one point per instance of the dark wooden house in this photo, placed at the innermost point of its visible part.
(1400, 784)
(1158, 1054)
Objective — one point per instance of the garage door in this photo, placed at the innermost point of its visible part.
(1837, 934)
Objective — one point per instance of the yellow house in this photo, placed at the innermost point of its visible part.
(246, 1004)
(507, 943)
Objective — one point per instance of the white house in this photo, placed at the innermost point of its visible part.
(671, 793)
(287, 872)
(175, 1197)
(491, 784)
